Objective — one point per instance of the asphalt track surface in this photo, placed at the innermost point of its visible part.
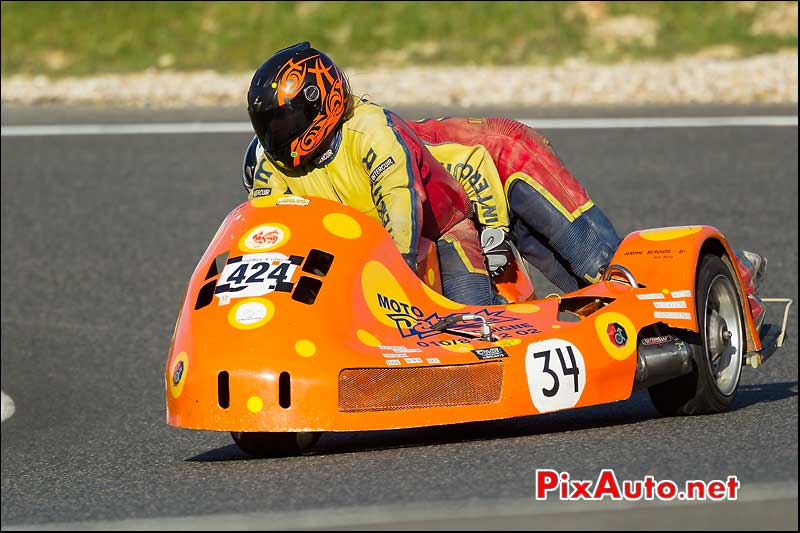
(101, 233)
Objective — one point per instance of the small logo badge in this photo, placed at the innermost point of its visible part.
(177, 374)
(490, 353)
(312, 93)
(617, 334)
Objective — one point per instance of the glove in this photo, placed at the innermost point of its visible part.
(411, 261)
(496, 249)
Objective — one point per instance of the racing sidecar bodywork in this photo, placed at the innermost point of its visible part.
(302, 316)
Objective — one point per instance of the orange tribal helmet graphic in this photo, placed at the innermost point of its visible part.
(297, 100)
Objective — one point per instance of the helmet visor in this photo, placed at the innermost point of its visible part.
(276, 128)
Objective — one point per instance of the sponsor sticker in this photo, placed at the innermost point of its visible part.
(676, 304)
(263, 191)
(617, 334)
(681, 294)
(264, 237)
(393, 362)
(380, 169)
(654, 341)
(667, 314)
(651, 296)
(293, 200)
(490, 353)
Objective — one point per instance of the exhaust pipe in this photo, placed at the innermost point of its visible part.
(661, 359)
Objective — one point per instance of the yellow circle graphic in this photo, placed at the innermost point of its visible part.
(508, 342)
(251, 313)
(342, 225)
(665, 234)
(265, 237)
(440, 300)
(255, 404)
(625, 344)
(367, 338)
(556, 326)
(177, 372)
(523, 308)
(382, 292)
(460, 348)
(305, 348)
(264, 201)
(431, 276)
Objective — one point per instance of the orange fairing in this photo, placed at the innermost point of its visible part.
(303, 316)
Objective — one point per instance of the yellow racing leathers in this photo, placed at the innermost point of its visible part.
(378, 165)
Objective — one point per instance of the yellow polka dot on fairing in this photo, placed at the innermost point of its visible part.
(255, 404)
(251, 313)
(601, 324)
(367, 338)
(665, 234)
(431, 276)
(438, 299)
(342, 225)
(523, 308)
(264, 201)
(380, 286)
(665, 291)
(508, 342)
(556, 326)
(305, 348)
(459, 348)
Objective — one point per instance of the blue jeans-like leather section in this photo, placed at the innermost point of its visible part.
(567, 253)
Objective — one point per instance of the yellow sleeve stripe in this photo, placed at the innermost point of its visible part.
(570, 216)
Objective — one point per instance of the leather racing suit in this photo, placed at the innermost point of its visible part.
(557, 228)
(378, 165)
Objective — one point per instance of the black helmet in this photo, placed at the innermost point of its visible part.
(297, 100)
(250, 162)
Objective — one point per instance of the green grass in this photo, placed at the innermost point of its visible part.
(83, 38)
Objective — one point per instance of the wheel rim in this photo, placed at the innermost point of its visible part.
(724, 339)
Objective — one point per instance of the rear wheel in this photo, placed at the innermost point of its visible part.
(718, 350)
(268, 444)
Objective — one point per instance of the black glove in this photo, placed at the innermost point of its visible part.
(497, 250)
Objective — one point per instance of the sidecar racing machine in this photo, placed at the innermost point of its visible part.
(302, 317)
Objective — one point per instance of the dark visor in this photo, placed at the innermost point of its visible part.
(276, 128)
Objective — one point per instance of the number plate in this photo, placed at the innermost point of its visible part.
(256, 275)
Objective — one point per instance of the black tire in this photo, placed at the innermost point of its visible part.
(709, 387)
(265, 444)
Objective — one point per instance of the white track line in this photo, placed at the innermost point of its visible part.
(7, 407)
(175, 128)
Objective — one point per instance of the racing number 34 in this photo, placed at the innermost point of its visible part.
(571, 370)
(556, 374)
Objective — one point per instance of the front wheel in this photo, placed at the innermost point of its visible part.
(717, 352)
(270, 444)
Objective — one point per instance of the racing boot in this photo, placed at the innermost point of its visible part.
(752, 268)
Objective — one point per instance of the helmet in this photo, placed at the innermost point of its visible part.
(250, 162)
(297, 100)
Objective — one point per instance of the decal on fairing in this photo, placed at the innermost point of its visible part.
(252, 275)
(614, 330)
(411, 321)
(556, 374)
(265, 237)
(176, 378)
(251, 313)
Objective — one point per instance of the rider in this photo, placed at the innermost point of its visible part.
(556, 226)
(318, 140)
